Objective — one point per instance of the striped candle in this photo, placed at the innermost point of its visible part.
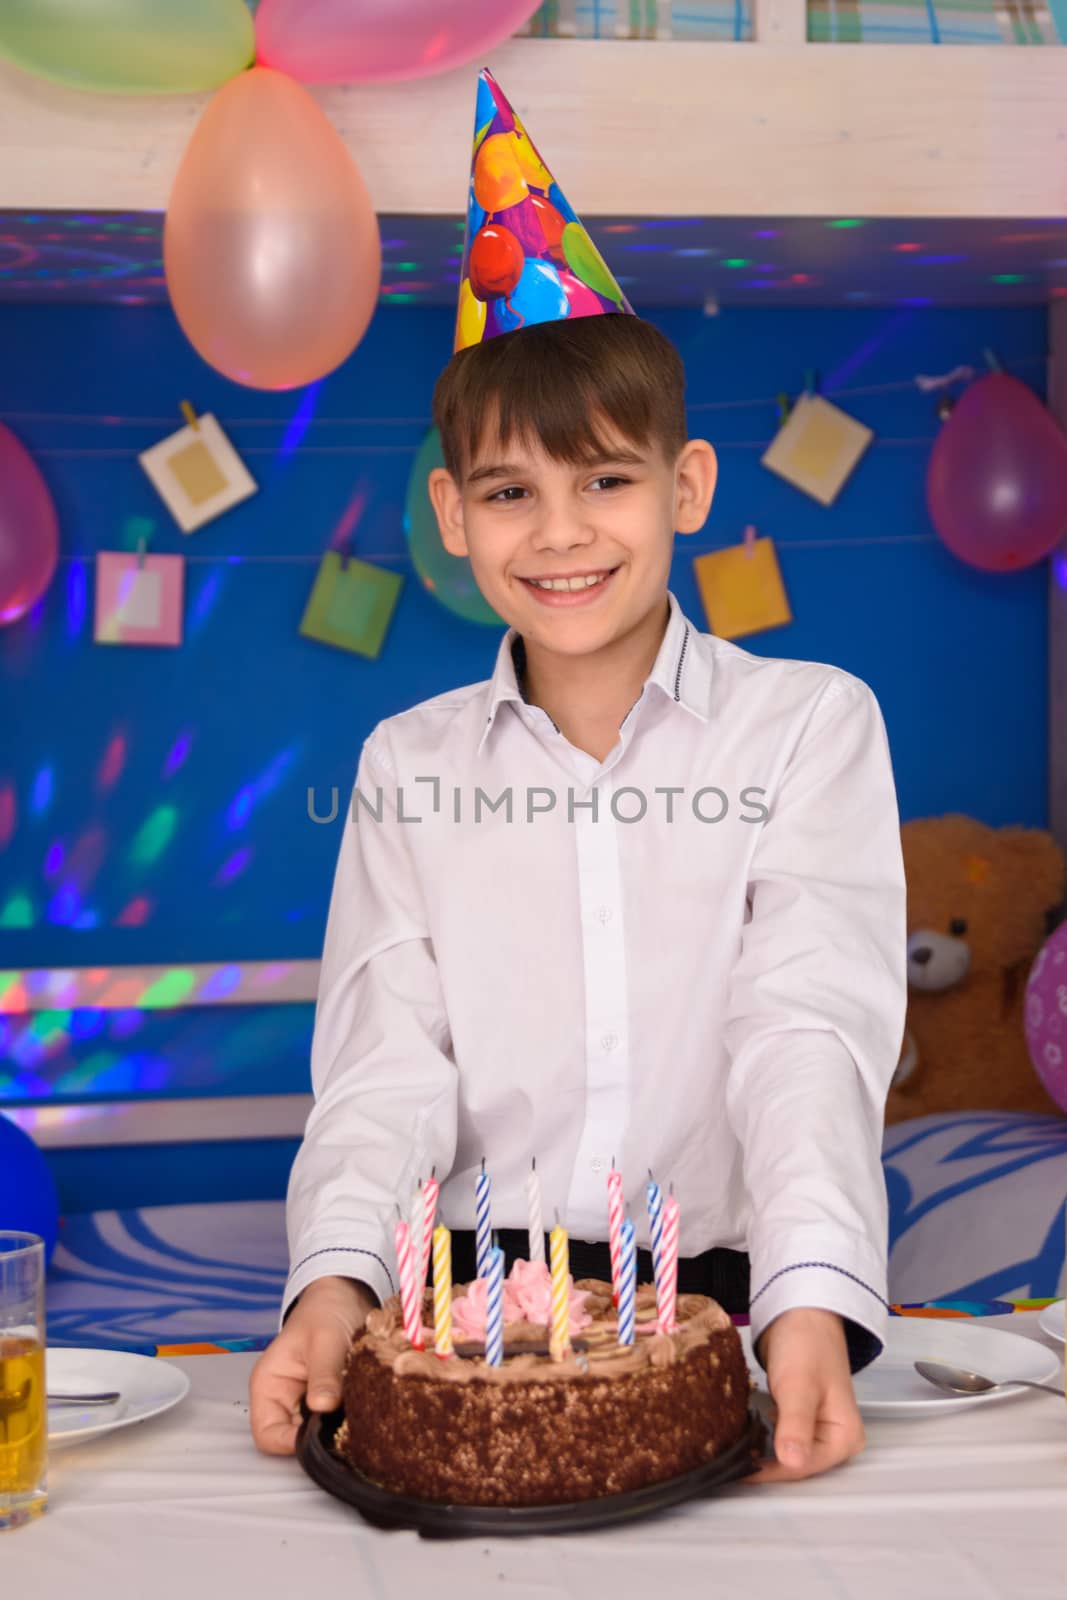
(483, 1231)
(494, 1309)
(416, 1213)
(442, 1292)
(537, 1226)
(559, 1333)
(667, 1294)
(410, 1299)
(655, 1227)
(627, 1284)
(429, 1204)
(615, 1216)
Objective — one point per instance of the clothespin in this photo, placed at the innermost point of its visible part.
(140, 554)
(750, 541)
(190, 416)
(784, 408)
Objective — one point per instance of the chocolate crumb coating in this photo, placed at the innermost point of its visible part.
(539, 1432)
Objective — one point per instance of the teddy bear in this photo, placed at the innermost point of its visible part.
(980, 904)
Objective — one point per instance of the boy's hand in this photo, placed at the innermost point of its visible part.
(808, 1375)
(307, 1356)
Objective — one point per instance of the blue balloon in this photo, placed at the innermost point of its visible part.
(28, 1200)
(539, 295)
(561, 203)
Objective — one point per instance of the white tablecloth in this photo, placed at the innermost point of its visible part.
(184, 1507)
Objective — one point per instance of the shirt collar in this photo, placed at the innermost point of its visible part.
(681, 670)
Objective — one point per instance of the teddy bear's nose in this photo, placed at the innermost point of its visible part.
(922, 955)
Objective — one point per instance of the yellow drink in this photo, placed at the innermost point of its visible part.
(23, 1416)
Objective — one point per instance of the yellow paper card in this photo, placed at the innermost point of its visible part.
(817, 448)
(742, 589)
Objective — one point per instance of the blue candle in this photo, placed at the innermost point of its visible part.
(494, 1309)
(627, 1284)
(655, 1228)
(483, 1232)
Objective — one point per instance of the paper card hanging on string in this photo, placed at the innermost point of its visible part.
(197, 472)
(817, 448)
(138, 598)
(351, 604)
(742, 588)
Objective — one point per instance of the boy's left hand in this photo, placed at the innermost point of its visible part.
(808, 1375)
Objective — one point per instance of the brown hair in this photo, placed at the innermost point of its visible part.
(551, 381)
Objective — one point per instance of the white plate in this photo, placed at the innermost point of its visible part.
(146, 1385)
(1051, 1320)
(890, 1386)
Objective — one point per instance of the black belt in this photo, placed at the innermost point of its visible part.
(723, 1274)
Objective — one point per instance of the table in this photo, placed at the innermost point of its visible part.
(185, 1507)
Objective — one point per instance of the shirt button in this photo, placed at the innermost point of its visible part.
(603, 913)
(609, 1041)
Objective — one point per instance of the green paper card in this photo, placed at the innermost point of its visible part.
(351, 604)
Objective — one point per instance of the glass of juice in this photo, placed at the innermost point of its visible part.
(23, 1404)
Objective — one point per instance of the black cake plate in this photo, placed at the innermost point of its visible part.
(435, 1519)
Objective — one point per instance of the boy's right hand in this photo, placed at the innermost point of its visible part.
(306, 1357)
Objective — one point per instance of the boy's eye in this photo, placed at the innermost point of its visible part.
(514, 488)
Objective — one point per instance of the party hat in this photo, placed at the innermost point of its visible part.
(526, 256)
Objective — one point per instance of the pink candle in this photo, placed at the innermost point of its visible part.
(667, 1296)
(615, 1220)
(429, 1197)
(410, 1294)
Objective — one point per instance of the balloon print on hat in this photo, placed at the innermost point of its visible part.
(271, 246)
(996, 482)
(29, 530)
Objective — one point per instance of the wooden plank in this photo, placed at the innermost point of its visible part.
(646, 128)
(1057, 601)
(780, 21)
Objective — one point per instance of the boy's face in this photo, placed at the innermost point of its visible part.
(520, 515)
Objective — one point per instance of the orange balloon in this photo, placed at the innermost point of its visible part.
(498, 179)
(271, 248)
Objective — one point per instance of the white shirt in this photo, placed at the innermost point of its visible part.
(721, 1001)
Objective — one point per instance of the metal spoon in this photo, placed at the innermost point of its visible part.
(107, 1399)
(960, 1381)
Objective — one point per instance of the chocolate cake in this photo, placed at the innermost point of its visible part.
(538, 1431)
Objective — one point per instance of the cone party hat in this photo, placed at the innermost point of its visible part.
(526, 256)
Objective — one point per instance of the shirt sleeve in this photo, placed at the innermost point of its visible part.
(815, 1022)
(382, 1066)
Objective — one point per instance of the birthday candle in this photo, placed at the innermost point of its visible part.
(655, 1227)
(615, 1213)
(559, 1334)
(442, 1291)
(494, 1309)
(416, 1213)
(537, 1226)
(627, 1284)
(429, 1201)
(410, 1300)
(483, 1231)
(667, 1294)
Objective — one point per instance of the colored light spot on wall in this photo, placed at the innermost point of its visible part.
(12, 992)
(735, 261)
(110, 769)
(77, 598)
(169, 990)
(135, 914)
(233, 867)
(846, 222)
(153, 836)
(8, 813)
(53, 859)
(221, 983)
(177, 754)
(1008, 277)
(906, 249)
(86, 1022)
(17, 912)
(64, 906)
(42, 791)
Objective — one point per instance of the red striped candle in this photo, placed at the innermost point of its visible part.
(429, 1199)
(615, 1220)
(410, 1294)
(667, 1297)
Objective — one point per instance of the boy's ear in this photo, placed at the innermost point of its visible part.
(696, 472)
(447, 503)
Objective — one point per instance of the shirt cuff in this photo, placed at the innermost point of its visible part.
(849, 1280)
(338, 1261)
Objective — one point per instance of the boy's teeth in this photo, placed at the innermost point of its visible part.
(569, 583)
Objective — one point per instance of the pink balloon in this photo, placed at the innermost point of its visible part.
(996, 482)
(583, 302)
(29, 530)
(1046, 1014)
(381, 41)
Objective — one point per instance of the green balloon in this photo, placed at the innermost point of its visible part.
(134, 46)
(586, 262)
(447, 577)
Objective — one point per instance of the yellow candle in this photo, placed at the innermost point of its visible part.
(442, 1291)
(559, 1335)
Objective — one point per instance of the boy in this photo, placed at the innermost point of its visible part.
(651, 909)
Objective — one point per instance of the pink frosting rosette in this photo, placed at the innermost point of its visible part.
(527, 1294)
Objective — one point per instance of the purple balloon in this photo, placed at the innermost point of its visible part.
(29, 530)
(1046, 1014)
(996, 483)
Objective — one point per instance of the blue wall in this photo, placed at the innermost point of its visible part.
(956, 657)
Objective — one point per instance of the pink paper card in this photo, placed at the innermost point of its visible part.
(138, 604)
